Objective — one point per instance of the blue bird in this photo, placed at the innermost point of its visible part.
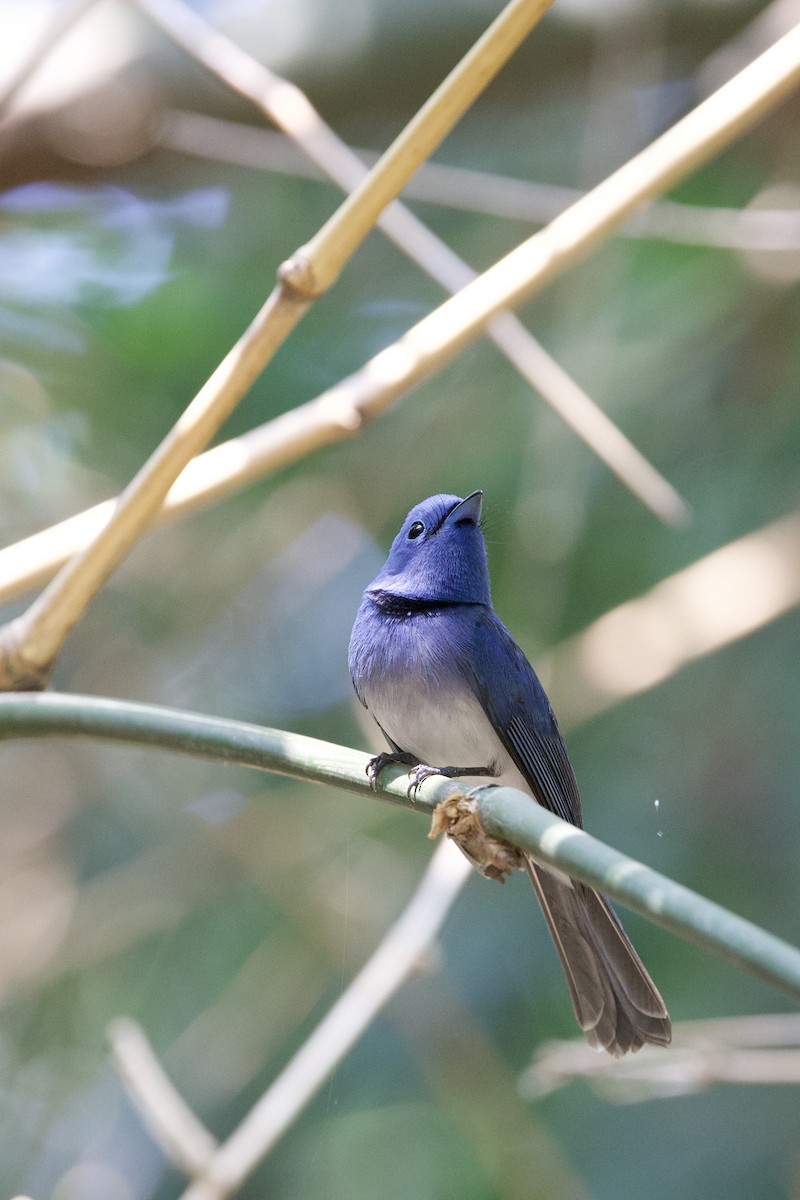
(454, 695)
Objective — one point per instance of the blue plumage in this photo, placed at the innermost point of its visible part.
(454, 694)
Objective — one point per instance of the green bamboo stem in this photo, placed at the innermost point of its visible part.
(504, 812)
(509, 814)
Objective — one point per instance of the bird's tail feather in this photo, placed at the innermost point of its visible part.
(616, 1002)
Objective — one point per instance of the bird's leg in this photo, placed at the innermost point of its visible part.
(376, 764)
(423, 772)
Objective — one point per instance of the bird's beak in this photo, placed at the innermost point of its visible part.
(467, 510)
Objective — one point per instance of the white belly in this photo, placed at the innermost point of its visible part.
(454, 733)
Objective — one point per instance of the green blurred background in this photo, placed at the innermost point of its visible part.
(226, 910)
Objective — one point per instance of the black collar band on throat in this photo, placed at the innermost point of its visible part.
(394, 605)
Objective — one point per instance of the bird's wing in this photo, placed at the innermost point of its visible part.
(517, 706)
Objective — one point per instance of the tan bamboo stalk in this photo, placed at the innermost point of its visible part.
(30, 644)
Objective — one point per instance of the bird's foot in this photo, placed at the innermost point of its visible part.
(422, 772)
(376, 764)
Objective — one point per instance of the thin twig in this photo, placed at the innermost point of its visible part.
(398, 954)
(434, 340)
(172, 1124)
(220, 1169)
(30, 644)
(317, 264)
(342, 411)
(536, 262)
(67, 14)
(428, 345)
(503, 812)
(223, 140)
(289, 108)
(772, 22)
(703, 1053)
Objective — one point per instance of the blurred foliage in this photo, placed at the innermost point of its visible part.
(225, 910)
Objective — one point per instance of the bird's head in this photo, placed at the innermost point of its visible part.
(439, 553)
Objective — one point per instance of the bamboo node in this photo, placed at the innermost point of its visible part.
(297, 277)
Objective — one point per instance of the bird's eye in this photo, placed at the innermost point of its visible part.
(416, 529)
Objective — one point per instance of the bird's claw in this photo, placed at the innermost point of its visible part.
(376, 765)
(419, 771)
(422, 772)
